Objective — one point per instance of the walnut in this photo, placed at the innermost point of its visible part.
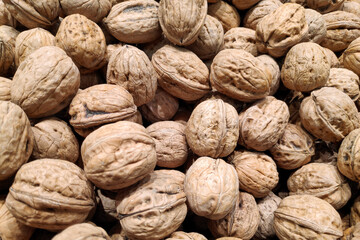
(244, 4)
(241, 222)
(7, 48)
(346, 81)
(82, 231)
(182, 20)
(45, 82)
(5, 85)
(256, 171)
(332, 58)
(306, 217)
(241, 38)
(281, 29)
(213, 129)
(329, 114)
(351, 56)
(134, 21)
(50, 194)
(317, 26)
(355, 212)
(325, 6)
(275, 72)
(153, 208)
(5, 16)
(226, 14)
(183, 235)
(352, 7)
(352, 233)
(211, 187)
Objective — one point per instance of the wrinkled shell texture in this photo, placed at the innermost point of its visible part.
(55, 139)
(324, 6)
(306, 67)
(351, 6)
(256, 172)
(155, 207)
(241, 38)
(82, 231)
(241, 222)
(211, 187)
(239, 75)
(274, 68)
(182, 20)
(100, 104)
(50, 194)
(134, 21)
(294, 148)
(45, 82)
(5, 16)
(183, 235)
(82, 39)
(262, 124)
(329, 114)
(118, 155)
(226, 14)
(213, 129)
(281, 29)
(320, 180)
(306, 217)
(130, 68)
(5, 85)
(346, 81)
(332, 58)
(352, 233)
(352, 56)
(17, 139)
(317, 26)
(7, 53)
(348, 160)
(94, 10)
(181, 72)
(170, 141)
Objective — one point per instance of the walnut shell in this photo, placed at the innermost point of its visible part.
(182, 20)
(5, 85)
(17, 139)
(211, 187)
(83, 40)
(256, 171)
(281, 29)
(351, 56)
(241, 222)
(213, 129)
(30, 40)
(352, 233)
(94, 10)
(175, 67)
(239, 75)
(134, 21)
(183, 235)
(262, 124)
(351, 6)
(118, 155)
(241, 38)
(82, 231)
(355, 212)
(332, 58)
(5, 16)
(153, 208)
(7, 48)
(325, 6)
(45, 82)
(293, 149)
(130, 68)
(275, 72)
(100, 104)
(329, 114)
(50, 194)
(306, 217)
(8, 34)
(317, 26)
(54, 139)
(225, 13)
(244, 4)
(346, 81)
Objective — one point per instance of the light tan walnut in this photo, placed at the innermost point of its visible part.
(325, 6)
(260, 10)
(95, 10)
(244, 4)
(275, 72)
(183, 235)
(317, 26)
(241, 38)
(346, 81)
(351, 6)
(226, 14)
(351, 56)
(82, 231)
(5, 85)
(332, 58)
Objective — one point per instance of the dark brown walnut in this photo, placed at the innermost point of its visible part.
(306, 217)
(317, 26)
(329, 114)
(5, 85)
(209, 40)
(293, 149)
(226, 14)
(281, 29)
(183, 235)
(241, 222)
(256, 172)
(82, 231)
(267, 206)
(275, 72)
(91, 79)
(320, 180)
(5, 16)
(352, 233)
(153, 208)
(7, 49)
(346, 81)
(30, 40)
(262, 124)
(130, 68)
(181, 72)
(348, 160)
(34, 13)
(181, 20)
(351, 56)
(241, 38)
(54, 139)
(211, 187)
(325, 6)
(94, 10)
(332, 58)
(342, 28)
(244, 4)
(45, 82)
(239, 75)
(17, 139)
(50, 194)
(355, 212)
(83, 40)
(10, 228)
(213, 129)
(118, 155)
(134, 21)
(100, 104)
(260, 10)
(170, 143)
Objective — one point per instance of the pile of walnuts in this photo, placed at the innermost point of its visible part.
(179, 119)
